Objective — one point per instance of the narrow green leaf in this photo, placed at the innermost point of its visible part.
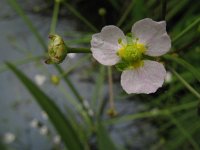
(54, 17)
(104, 140)
(125, 13)
(187, 85)
(60, 122)
(152, 113)
(187, 29)
(79, 16)
(184, 132)
(180, 140)
(185, 64)
(176, 9)
(115, 4)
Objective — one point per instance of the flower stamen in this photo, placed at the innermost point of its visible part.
(132, 53)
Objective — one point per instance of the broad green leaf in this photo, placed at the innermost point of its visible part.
(60, 122)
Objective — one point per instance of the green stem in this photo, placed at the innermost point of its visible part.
(55, 16)
(71, 86)
(115, 4)
(78, 50)
(152, 113)
(184, 132)
(110, 81)
(78, 15)
(59, 69)
(184, 64)
(188, 86)
(196, 22)
(175, 10)
(125, 14)
(73, 66)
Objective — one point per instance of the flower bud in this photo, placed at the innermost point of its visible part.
(57, 50)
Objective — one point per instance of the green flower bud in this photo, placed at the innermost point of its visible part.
(57, 50)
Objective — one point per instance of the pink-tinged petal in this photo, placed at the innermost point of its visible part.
(146, 79)
(147, 29)
(159, 46)
(153, 34)
(104, 45)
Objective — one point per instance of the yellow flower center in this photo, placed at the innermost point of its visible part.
(132, 53)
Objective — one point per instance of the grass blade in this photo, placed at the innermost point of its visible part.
(185, 64)
(152, 113)
(191, 26)
(104, 141)
(184, 132)
(78, 15)
(186, 84)
(62, 125)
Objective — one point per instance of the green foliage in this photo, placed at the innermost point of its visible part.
(60, 122)
(172, 110)
(104, 141)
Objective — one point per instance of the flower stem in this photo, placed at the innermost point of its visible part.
(110, 81)
(78, 50)
(111, 112)
(125, 14)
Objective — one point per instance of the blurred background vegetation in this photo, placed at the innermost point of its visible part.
(66, 106)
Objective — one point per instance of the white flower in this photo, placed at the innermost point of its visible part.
(128, 53)
(40, 79)
(9, 138)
